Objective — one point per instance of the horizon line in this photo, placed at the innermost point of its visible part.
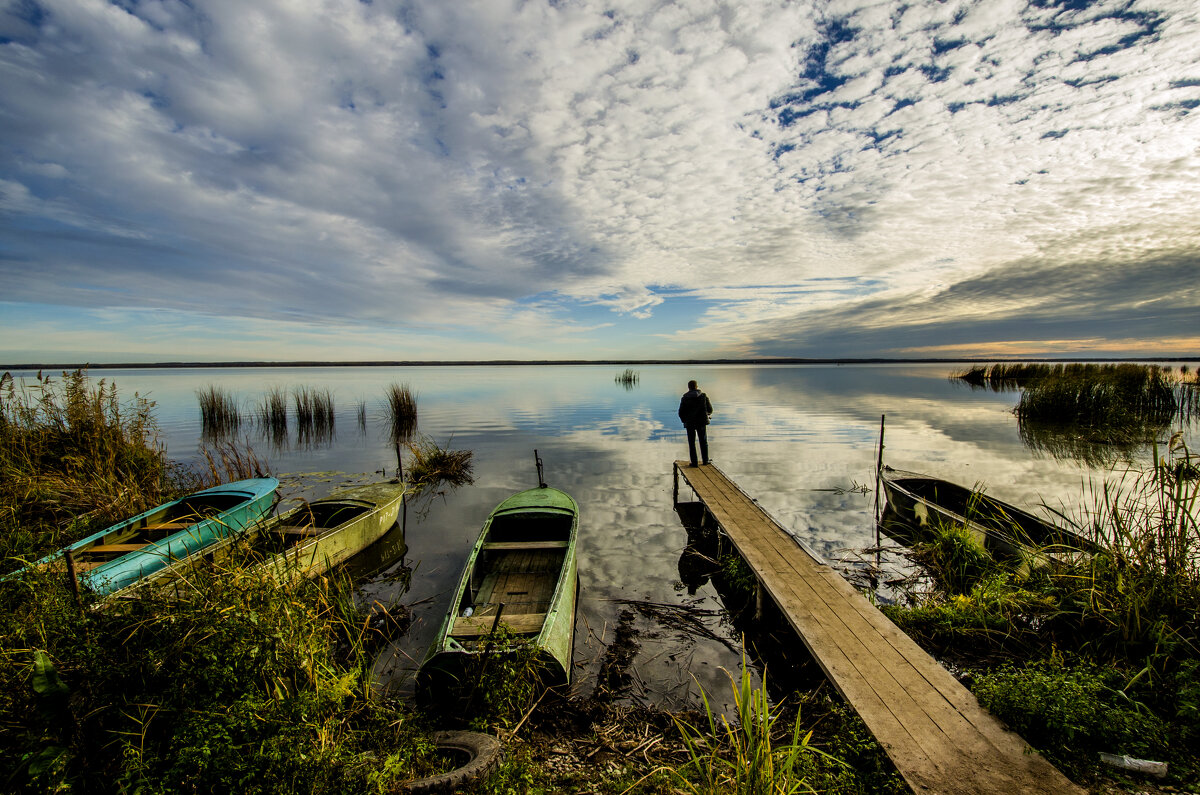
(597, 362)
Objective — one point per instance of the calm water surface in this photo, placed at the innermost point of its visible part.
(800, 439)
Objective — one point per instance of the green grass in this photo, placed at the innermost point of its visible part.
(749, 754)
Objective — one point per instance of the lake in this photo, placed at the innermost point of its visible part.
(800, 439)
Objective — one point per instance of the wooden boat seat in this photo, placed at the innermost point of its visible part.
(499, 545)
(475, 626)
(169, 526)
(116, 547)
(299, 530)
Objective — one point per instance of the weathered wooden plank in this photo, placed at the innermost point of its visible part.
(499, 545)
(474, 626)
(929, 724)
(114, 548)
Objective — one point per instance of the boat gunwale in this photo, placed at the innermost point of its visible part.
(892, 478)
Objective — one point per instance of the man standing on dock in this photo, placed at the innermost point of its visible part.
(694, 411)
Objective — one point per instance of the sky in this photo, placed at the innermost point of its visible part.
(346, 180)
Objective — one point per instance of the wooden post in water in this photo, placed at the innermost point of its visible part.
(675, 491)
(878, 477)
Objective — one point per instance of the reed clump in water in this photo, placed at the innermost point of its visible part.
(1002, 376)
(431, 466)
(219, 412)
(1114, 397)
(628, 379)
(314, 413)
(402, 412)
(273, 411)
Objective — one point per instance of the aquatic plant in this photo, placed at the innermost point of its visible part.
(314, 413)
(219, 412)
(628, 379)
(402, 412)
(272, 411)
(431, 465)
(1003, 376)
(1120, 398)
(745, 755)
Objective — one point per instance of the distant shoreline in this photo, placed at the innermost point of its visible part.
(569, 362)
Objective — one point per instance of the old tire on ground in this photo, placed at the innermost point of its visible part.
(482, 754)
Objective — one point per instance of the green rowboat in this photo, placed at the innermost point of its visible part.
(310, 540)
(521, 574)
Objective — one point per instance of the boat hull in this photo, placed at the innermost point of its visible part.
(326, 533)
(522, 576)
(925, 502)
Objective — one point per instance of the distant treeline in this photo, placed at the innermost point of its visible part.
(519, 362)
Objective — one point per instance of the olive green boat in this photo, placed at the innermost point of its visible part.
(522, 574)
(312, 539)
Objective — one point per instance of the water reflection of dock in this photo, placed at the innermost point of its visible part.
(931, 727)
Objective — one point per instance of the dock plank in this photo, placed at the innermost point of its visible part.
(928, 723)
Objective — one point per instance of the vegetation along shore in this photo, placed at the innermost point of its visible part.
(240, 683)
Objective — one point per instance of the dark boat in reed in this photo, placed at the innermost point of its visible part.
(521, 575)
(122, 555)
(923, 501)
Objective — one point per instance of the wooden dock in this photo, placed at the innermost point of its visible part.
(930, 725)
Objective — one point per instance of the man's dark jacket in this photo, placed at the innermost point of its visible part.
(694, 408)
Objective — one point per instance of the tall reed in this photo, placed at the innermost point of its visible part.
(72, 452)
(628, 379)
(1110, 396)
(219, 412)
(273, 410)
(314, 413)
(402, 412)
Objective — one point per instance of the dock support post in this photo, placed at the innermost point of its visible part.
(675, 492)
(758, 601)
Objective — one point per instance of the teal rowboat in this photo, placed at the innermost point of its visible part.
(120, 556)
(522, 574)
(310, 540)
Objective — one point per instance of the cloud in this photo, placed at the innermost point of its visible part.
(434, 166)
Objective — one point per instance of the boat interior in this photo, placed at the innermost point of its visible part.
(515, 575)
(977, 506)
(311, 520)
(154, 528)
